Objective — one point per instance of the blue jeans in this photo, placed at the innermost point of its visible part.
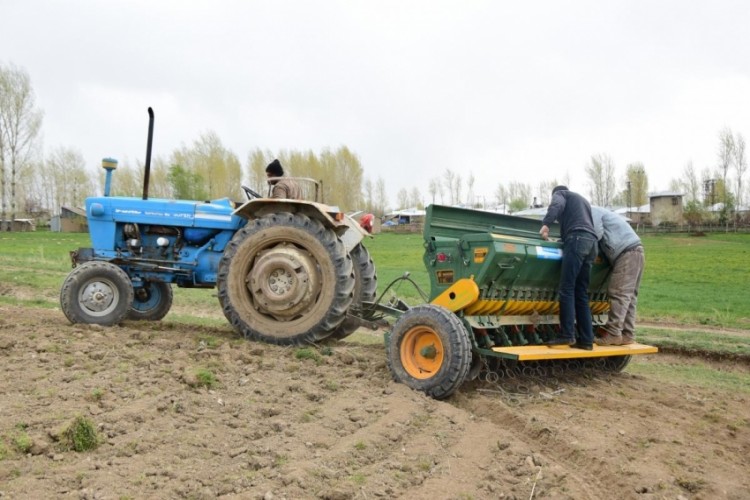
(579, 251)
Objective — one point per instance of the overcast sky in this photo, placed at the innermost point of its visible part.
(507, 91)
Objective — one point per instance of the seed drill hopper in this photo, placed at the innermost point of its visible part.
(493, 303)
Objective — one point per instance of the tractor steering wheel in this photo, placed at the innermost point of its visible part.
(250, 193)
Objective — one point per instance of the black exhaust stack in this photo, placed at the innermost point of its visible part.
(147, 172)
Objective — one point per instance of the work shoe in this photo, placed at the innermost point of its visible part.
(599, 331)
(609, 339)
(627, 339)
(560, 341)
(585, 347)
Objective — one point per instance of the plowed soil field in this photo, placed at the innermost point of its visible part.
(183, 411)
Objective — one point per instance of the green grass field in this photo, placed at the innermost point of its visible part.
(688, 280)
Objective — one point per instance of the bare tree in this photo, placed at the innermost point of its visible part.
(690, 182)
(636, 185)
(20, 123)
(66, 180)
(402, 199)
(601, 173)
(369, 194)
(458, 187)
(544, 192)
(448, 180)
(740, 164)
(217, 167)
(256, 170)
(501, 196)
(726, 155)
(415, 198)
(381, 198)
(519, 195)
(470, 189)
(432, 188)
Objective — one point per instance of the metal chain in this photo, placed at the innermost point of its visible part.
(517, 382)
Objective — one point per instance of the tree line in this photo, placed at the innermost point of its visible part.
(33, 184)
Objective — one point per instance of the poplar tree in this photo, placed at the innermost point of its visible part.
(20, 122)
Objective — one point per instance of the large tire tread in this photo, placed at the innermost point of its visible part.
(334, 250)
(365, 288)
(456, 344)
(90, 272)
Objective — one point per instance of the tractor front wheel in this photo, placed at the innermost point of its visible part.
(429, 350)
(96, 293)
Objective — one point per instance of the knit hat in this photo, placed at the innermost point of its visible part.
(275, 169)
(559, 188)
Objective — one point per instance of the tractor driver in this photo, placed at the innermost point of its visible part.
(280, 186)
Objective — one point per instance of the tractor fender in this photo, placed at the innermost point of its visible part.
(344, 226)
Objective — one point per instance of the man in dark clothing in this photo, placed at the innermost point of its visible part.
(280, 186)
(577, 232)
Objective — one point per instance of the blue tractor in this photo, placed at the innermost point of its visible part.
(287, 271)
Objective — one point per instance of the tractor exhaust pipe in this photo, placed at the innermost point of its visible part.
(149, 143)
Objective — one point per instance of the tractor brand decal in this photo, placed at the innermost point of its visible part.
(509, 248)
(213, 217)
(480, 254)
(445, 276)
(154, 213)
(549, 253)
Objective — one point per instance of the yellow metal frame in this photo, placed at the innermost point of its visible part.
(464, 295)
(461, 294)
(538, 352)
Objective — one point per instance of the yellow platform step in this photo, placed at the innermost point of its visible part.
(537, 352)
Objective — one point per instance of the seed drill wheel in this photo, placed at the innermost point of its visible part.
(285, 279)
(365, 289)
(151, 302)
(429, 350)
(96, 293)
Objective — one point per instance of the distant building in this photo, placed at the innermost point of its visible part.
(19, 225)
(70, 220)
(635, 215)
(666, 207)
(409, 220)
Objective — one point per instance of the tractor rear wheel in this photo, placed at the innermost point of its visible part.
(365, 289)
(96, 293)
(151, 302)
(285, 279)
(429, 350)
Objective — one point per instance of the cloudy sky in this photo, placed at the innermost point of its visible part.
(506, 91)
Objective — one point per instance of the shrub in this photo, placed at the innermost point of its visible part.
(81, 435)
(22, 441)
(308, 353)
(205, 378)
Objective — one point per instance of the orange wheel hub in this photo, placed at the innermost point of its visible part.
(421, 352)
